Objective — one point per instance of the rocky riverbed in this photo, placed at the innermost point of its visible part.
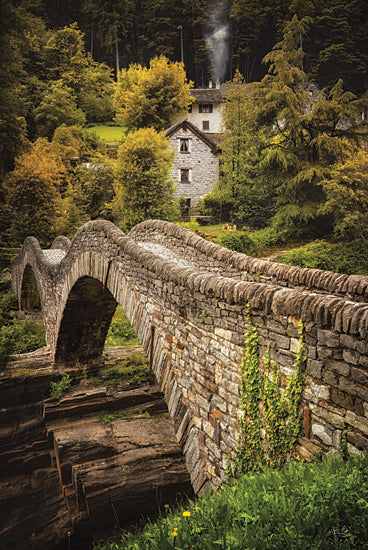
(78, 469)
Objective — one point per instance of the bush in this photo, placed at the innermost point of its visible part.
(8, 302)
(239, 241)
(20, 337)
(320, 506)
(350, 258)
(57, 389)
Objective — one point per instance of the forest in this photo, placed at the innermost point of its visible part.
(289, 167)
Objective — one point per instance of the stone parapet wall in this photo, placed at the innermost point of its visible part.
(190, 321)
(224, 261)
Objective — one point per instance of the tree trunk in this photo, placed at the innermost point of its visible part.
(117, 56)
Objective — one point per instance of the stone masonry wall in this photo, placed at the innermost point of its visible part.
(190, 320)
(202, 163)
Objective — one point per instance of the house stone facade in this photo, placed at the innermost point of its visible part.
(206, 111)
(195, 167)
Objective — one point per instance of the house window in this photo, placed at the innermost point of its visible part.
(184, 175)
(205, 108)
(205, 125)
(189, 109)
(184, 145)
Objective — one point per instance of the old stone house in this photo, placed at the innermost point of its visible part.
(196, 138)
(195, 167)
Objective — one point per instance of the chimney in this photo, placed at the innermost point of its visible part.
(217, 84)
(210, 84)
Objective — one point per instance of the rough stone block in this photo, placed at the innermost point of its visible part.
(322, 433)
(359, 375)
(328, 339)
(359, 422)
(351, 356)
(314, 368)
(330, 378)
(319, 391)
(358, 440)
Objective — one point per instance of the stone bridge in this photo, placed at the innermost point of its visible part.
(186, 299)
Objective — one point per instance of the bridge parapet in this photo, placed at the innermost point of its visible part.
(234, 264)
(190, 320)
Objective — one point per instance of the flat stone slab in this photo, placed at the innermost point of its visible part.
(80, 444)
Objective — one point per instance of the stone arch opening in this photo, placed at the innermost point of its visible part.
(85, 322)
(30, 300)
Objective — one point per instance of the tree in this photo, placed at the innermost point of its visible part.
(144, 188)
(152, 97)
(32, 190)
(96, 90)
(302, 140)
(244, 193)
(58, 106)
(111, 18)
(65, 56)
(347, 196)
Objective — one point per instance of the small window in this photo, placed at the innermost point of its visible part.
(184, 145)
(205, 108)
(189, 109)
(205, 125)
(184, 175)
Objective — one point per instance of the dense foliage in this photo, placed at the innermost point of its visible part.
(321, 506)
(289, 158)
(152, 97)
(350, 258)
(144, 188)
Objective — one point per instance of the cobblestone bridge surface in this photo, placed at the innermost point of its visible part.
(186, 299)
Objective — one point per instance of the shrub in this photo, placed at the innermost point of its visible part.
(20, 337)
(57, 389)
(8, 302)
(239, 241)
(350, 258)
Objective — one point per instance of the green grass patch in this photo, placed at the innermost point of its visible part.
(121, 332)
(319, 506)
(108, 133)
(131, 371)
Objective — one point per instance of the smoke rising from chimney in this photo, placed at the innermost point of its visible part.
(217, 39)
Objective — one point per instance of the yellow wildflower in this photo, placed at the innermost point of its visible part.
(186, 514)
(174, 534)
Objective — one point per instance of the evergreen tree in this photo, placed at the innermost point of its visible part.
(303, 139)
(244, 191)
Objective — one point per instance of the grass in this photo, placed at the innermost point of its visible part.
(318, 506)
(131, 371)
(121, 332)
(108, 133)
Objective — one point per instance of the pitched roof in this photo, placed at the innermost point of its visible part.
(207, 95)
(212, 140)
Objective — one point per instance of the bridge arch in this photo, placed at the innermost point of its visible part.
(186, 298)
(86, 319)
(30, 295)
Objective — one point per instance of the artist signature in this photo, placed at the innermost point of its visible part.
(339, 531)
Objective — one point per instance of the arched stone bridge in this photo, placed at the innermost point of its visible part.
(186, 299)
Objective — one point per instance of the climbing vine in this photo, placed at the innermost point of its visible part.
(265, 409)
